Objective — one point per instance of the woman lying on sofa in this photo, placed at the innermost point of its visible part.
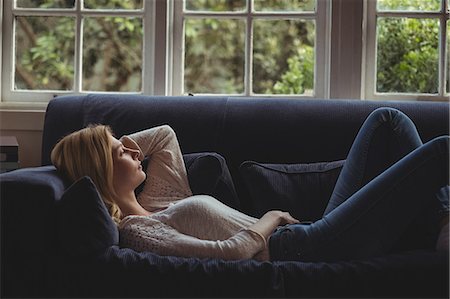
(388, 178)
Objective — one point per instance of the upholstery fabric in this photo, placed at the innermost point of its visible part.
(301, 189)
(208, 174)
(28, 228)
(149, 275)
(84, 225)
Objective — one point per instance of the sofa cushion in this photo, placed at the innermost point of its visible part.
(301, 189)
(84, 224)
(208, 174)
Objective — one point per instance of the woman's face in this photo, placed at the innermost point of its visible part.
(127, 169)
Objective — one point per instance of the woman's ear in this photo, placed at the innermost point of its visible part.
(130, 143)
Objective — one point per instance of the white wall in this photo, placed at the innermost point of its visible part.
(27, 126)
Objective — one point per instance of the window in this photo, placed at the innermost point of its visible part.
(384, 49)
(70, 46)
(239, 47)
(407, 49)
(250, 48)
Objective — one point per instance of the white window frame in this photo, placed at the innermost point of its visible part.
(369, 72)
(9, 95)
(346, 66)
(322, 44)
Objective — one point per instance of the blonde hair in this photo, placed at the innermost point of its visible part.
(88, 152)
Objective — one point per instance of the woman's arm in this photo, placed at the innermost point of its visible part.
(165, 240)
(166, 172)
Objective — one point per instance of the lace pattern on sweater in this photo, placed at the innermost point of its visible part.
(159, 187)
(159, 194)
(138, 237)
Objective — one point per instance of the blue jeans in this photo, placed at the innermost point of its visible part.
(388, 179)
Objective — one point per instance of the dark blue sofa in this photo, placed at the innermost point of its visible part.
(267, 131)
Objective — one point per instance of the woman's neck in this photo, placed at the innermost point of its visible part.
(129, 205)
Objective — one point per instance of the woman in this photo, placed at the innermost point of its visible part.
(388, 178)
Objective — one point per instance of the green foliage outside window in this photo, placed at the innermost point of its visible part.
(111, 52)
(283, 50)
(408, 49)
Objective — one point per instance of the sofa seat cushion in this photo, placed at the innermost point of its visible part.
(84, 224)
(301, 189)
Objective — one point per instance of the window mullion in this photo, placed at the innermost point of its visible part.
(322, 50)
(8, 52)
(369, 88)
(1, 49)
(151, 66)
(442, 48)
(177, 48)
(407, 14)
(78, 48)
(442, 56)
(248, 75)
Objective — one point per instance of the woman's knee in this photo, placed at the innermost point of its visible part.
(397, 123)
(387, 115)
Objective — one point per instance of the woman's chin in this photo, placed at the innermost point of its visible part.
(143, 176)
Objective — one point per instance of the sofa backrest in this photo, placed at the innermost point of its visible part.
(270, 130)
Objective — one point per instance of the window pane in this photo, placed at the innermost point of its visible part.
(215, 5)
(112, 54)
(214, 56)
(108, 4)
(283, 57)
(45, 3)
(44, 53)
(448, 57)
(285, 5)
(409, 5)
(408, 55)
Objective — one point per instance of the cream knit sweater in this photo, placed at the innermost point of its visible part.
(182, 224)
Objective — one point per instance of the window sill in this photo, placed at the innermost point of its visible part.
(23, 106)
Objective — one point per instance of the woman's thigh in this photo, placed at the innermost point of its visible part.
(385, 137)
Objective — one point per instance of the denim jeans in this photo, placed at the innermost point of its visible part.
(388, 179)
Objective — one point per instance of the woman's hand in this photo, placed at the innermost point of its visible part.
(270, 221)
(284, 217)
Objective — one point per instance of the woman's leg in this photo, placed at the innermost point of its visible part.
(367, 221)
(385, 137)
(372, 219)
